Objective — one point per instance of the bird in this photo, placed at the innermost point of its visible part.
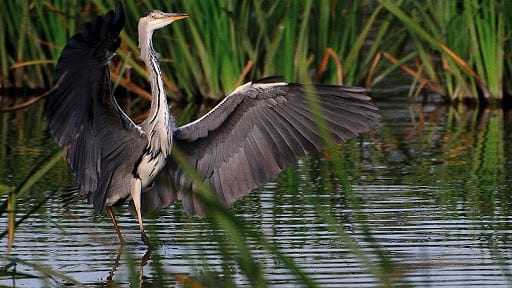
(245, 141)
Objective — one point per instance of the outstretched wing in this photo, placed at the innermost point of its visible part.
(83, 115)
(259, 130)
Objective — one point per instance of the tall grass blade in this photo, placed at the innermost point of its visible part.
(9, 205)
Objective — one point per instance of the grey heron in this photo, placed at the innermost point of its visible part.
(242, 143)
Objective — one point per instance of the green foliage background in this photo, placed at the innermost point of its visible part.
(459, 49)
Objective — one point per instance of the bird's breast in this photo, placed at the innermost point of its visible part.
(158, 147)
(150, 165)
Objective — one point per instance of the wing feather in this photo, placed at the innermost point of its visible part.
(83, 114)
(282, 149)
(259, 130)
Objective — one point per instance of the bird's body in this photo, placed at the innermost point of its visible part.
(245, 141)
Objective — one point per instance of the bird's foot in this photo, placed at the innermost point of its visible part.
(116, 227)
(145, 258)
(122, 242)
(145, 239)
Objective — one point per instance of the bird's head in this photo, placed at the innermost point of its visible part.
(154, 20)
(157, 19)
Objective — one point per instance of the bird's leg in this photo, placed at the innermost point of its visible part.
(113, 218)
(136, 194)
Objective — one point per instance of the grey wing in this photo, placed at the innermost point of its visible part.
(83, 115)
(259, 130)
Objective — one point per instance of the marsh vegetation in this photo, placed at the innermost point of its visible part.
(422, 200)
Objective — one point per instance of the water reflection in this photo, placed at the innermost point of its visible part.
(433, 185)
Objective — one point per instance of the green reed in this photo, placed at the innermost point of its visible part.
(461, 45)
(468, 38)
(8, 206)
(220, 46)
(29, 43)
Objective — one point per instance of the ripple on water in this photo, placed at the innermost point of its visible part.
(423, 225)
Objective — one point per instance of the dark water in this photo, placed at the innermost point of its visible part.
(433, 183)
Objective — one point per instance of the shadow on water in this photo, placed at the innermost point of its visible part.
(425, 200)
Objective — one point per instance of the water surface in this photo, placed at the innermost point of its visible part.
(433, 183)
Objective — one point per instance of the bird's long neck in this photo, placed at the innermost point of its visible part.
(157, 125)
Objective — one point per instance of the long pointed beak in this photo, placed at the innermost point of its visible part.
(175, 16)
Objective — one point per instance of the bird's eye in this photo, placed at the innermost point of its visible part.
(156, 14)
